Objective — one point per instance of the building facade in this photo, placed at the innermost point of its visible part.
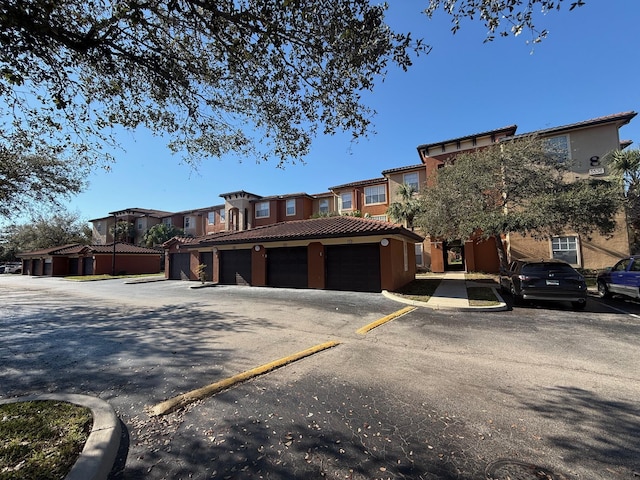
(585, 145)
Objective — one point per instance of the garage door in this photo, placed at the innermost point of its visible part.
(353, 267)
(179, 266)
(287, 267)
(235, 267)
(87, 266)
(73, 266)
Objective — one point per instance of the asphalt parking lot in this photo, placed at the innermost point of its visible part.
(429, 395)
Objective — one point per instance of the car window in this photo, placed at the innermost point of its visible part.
(544, 268)
(635, 266)
(621, 266)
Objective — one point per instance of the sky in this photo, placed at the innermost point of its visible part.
(587, 67)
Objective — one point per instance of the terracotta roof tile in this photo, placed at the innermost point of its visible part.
(624, 118)
(361, 183)
(74, 249)
(327, 227)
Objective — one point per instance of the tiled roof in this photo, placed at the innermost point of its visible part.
(200, 210)
(122, 248)
(622, 118)
(287, 195)
(74, 249)
(402, 169)
(509, 130)
(50, 250)
(142, 211)
(239, 193)
(318, 228)
(361, 183)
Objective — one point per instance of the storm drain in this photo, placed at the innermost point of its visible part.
(507, 469)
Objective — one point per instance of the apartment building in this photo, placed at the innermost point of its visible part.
(585, 144)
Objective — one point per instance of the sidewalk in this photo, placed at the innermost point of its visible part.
(451, 294)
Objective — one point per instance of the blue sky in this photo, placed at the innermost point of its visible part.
(587, 67)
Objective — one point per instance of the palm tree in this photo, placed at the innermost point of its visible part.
(626, 164)
(407, 208)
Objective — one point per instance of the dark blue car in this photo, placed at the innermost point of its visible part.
(621, 279)
(544, 280)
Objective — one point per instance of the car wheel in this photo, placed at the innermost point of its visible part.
(579, 305)
(603, 291)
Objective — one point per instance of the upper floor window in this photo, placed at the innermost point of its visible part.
(558, 147)
(222, 214)
(211, 218)
(566, 248)
(262, 209)
(291, 207)
(323, 205)
(166, 221)
(99, 227)
(187, 222)
(346, 200)
(413, 180)
(376, 194)
(139, 224)
(382, 218)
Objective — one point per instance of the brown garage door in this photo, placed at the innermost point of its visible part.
(179, 266)
(287, 267)
(235, 267)
(353, 267)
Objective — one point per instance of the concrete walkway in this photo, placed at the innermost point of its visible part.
(451, 294)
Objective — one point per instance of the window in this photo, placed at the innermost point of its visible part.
(558, 147)
(412, 180)
(211, 218)
(382, 218)
(324, 205)
(345, 199)
(262, 210)
(139, 224)
(291, 207)
(377, 194)
(222, 214)
(566, 248)
(419, 254)
(187, 222)
(166, 221)
(99, 227)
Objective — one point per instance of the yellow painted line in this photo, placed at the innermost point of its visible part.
(185, 399)
(384, 320)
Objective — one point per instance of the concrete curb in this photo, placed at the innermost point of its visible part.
(99, 453)
(502, 305)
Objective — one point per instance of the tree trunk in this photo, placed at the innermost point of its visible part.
(502, 254)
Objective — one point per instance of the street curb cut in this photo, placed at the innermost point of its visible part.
(99, 453)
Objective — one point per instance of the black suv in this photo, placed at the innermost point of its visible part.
(544, 279)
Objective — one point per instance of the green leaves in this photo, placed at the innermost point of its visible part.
(515, 186)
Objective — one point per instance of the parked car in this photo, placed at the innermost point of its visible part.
(15, 267)
(622, 279)
(545, 280)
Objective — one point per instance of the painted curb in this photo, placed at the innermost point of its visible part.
(383, 320)
(185, 399)
(99, 453)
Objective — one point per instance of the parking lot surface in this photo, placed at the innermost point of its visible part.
(429, 395)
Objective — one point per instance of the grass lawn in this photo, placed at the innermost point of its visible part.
(41, 439)
(421, 289)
